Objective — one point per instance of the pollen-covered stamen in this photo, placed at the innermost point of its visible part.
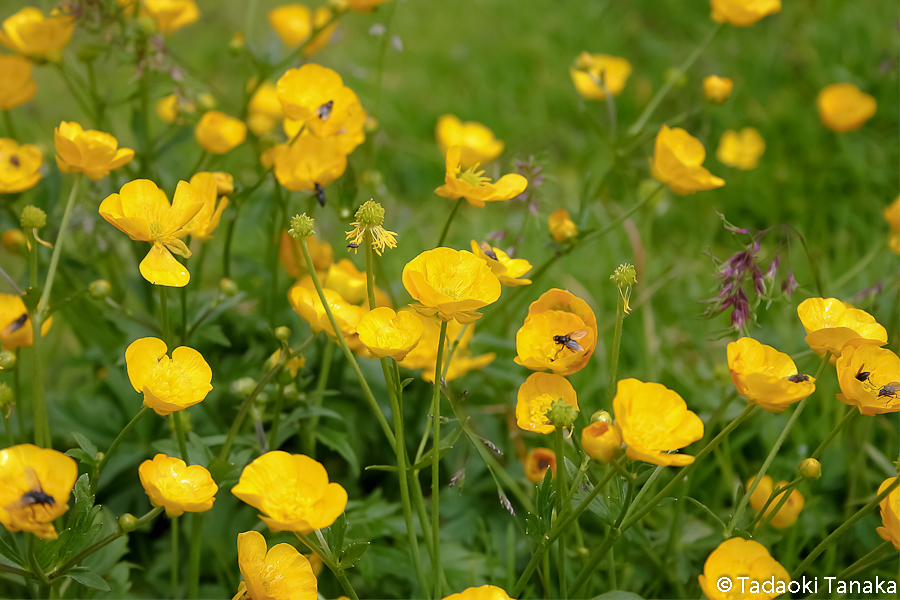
(798, 378)
(324, 111)
(473, 177)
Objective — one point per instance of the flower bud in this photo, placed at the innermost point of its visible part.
(228, 287)
(601, 416)
(98, 458)
(676, 76)
(302, 226)
(371, 124)
(243, 386)
(99, 289)
(6, 395)
(33, 217)
(14, 242)
(562, 414)
(810, 468)
(373, 177)
(290, 392)
(127, 523)
(282, 333)
(284, 377)
(7, 359)
(147, 24)
(601, 441)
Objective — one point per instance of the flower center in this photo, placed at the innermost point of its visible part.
(168, 380)
(473, 177)
(539, 408)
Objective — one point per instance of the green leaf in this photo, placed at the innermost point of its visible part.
(88, 579)
(598, 505)
(352, 554)
(214, 334)
(85, 444)
(339, 442)
(7, 551)
(388, 468)
(82, 456)
(406, 382)
(334, 535)
(708, 512)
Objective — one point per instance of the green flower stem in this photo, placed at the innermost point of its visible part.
(9, 433)
(175, 558)
(329, 559)
(560, 507)
(179, 435)
(735, 519)
(309, 438)
(867, 561)
(446, 228)
(33, 564)
(851, 414)
(164, 317)
(184, 314)
(61, 571)
(614, 355)
(98, 470)
(229, 235)
(276, 417)
(435, 459)
(367, 391)
(687, 64)
(15, 571)
(17, 395)
(843, 528)
(194, 564)
(73, 91)
(10, 126)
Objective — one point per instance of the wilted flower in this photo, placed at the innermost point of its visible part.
(601, 441)
(264, 108)
(508, 270)
(766, 376)
(830, 324)
(741, 150)
(16, 84)
(655, 421)
(485, 592)
(281, 574)
(29, 33)
(559, 334)
(892, 216)
(310, 163)
(592, 70)
(743, 13)
(178, 488)
(171, 15)
(452, 284)
(369, 218)
(537, 462)
(536, 395)
(206, 187)
(677, 161)
(717, 89)
(473, 186)
(738, 557)
(388, 333)
(15, 326)
(168, 384)
(26, 468)
(142, 211)
(93, 153)
(561, 225)
(788, 513)
(20, 166)
(890, 513)
(869, 377)
(292, 490)
(476, 142)
(217, 133)
(843, 107)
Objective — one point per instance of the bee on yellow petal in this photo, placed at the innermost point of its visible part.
(508, 270)
(177, 487)
(168, 384)
(16, 84)
(20, 166)
(742, 149)
(766, 376)
(844, 107)
(537, 462)
(830, 324)
(31, 34)
(317, 97)
(36, 486)
(790, 510)
(747, 557)
(477, 143)
(218, 133)
(282, 573)
(677, 161)
(594, 72)
(473, 186)
(93, 153)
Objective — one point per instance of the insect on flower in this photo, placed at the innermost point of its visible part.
(798, 378)
(568, 341)
(352, 245)
(35, 494)
(862, 375)
(486, 248)
(890, 390)
(320, 194)
(16, 325)
(324, 111)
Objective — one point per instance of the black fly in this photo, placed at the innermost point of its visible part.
(568, 341)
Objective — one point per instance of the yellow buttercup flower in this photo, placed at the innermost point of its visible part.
(309, 162)
(485, 592)
(206, 187)
(292, 490)
(424, 355)
(31, 34)
(351, 134)
(717, 89)
(178, 488)
(843, 107)
(562, 227)
(15, 326)
(388, 333)
(168, 109)
(20, 166)
(653, 421)
(217, 133)
(264, 109)
(16, 84)
(591, 70)
(508, 270)
(35, 484)
(738, 557)
(830, 324)
(766, 376)
(142, 211)
(364, 6)
(869, 377)
(369, 218)
(477, 143)
(452, 284)
(293, 364)
(463, 362)
(282, 573)
(171, 15)
(890, 514)
(317, 97)
(91, 152)
(535, 397)
(559, 334)
(677, 161)
(306, 303)
(743, 13)
(473, 186)
(788, 513)
(292, 257)
(168, 384)
(537, 462)
(344, 278)
(742, 149)
(892, 216)
(293, 23)
(601, 441)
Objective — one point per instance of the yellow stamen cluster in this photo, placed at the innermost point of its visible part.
(369, 218)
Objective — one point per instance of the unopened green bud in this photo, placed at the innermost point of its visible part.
(237, 43)
(810, 468)
(147, 24)
(302, 226)
(290, 392)
(99, 289)
(6, 395)
(284, 377)
(243, 386)
(98, 458)
(562, 414)
(7, 359)
(33, 217)
(601, 416)
(282, 333)
(127, 523)
(228, 287)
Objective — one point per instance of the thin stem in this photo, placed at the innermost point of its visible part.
(849, 416)
(98, 470)
(184, 314)
(309, 440)
(229, 235)
(322, 549)
(164, 316)
(435, 460)
(614, 355)
(560, 491)
(843, 528)
(276, 417)
(179, 435)
(175, 558)
(783, 494)
(447, 224)
(194, 565)
(866, 561)
(10, 126)
(33, 565)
